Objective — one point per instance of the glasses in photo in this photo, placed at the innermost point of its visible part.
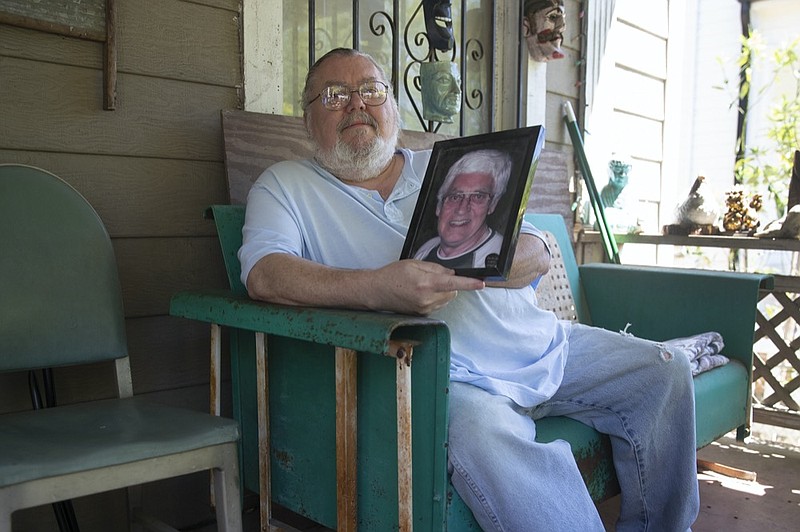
(335, 97)
(474, 198)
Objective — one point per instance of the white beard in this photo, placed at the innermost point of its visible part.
(358, 164)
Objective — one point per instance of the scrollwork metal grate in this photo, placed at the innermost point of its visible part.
(395, 35)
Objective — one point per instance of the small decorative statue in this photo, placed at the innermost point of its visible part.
(543, 28)
(740, 214)
(619, 211)
(698, 212)
(438, 24)
(618, 170)
(441, 90)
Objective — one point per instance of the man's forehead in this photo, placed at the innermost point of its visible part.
(470, 179)
(346, 70)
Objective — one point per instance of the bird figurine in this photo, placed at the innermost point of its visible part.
(699, 211)
(787, 226)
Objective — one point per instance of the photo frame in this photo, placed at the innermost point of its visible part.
(472, 201)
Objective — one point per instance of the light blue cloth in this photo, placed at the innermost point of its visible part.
(703, 350)
(301, 209)
(522, 361)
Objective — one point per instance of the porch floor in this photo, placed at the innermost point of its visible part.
(770, 503)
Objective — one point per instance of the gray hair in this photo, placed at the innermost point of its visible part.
(496, 163)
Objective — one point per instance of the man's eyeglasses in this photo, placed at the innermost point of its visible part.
(335, 97)
(474, 198)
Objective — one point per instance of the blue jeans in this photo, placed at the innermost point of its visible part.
(634, 390)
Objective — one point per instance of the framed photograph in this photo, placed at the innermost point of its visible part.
(472, 201)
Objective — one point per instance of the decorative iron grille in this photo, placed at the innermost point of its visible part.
(394, 34)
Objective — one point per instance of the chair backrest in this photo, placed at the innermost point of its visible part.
(60, 297)
(560, 290)
(256, 141)
(229, 220)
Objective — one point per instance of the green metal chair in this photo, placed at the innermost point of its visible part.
(299, 471)
(61, 305)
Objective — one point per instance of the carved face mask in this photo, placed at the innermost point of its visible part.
(441, 90)
(438, 24)
(543, 28)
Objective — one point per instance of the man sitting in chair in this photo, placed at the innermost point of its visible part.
(327, 232)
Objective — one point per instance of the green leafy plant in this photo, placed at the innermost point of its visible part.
(769, 167)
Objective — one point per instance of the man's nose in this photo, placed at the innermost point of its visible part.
(355, 101)
(464, 205)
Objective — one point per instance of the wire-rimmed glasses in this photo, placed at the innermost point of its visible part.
(336, 97)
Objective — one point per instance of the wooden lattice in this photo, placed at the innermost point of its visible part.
(776, 367)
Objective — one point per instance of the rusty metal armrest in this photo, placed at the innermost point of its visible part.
(349, 332)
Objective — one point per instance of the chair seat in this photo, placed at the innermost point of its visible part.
(721, 400)
(68, 439)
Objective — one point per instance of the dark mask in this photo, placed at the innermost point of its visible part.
(438, 24)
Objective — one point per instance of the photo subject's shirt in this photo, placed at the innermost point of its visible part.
(500, 340)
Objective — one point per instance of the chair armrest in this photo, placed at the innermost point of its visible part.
(352, 329)
(662, 303)
(301, 402)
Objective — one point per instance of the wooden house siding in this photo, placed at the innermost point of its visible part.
(150, 168)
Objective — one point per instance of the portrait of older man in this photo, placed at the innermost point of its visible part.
(469, 193)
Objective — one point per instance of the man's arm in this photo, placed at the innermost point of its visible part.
(409, 286)
(531, 260)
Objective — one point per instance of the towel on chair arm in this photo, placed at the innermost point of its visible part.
(702, 349)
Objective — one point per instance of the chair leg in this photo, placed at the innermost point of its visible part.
(5, 519)
(134, 496)
(226, 489)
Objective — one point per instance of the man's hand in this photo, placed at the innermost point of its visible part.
(407, 287)
(531, 260)
(418, 287)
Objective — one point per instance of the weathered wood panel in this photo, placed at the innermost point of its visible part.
(50, 107)
(254, 141)
(170, 40)
(171, 353)
(151, 270)
(137, 197)
(150, 168)
(166, 353)
(78, 15)
(29, 44)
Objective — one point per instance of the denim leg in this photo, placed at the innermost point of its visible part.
(642, 395)
(509, 481)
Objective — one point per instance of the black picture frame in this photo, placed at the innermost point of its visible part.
(524, 146)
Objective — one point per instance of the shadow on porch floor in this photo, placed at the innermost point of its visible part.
(771, 503)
